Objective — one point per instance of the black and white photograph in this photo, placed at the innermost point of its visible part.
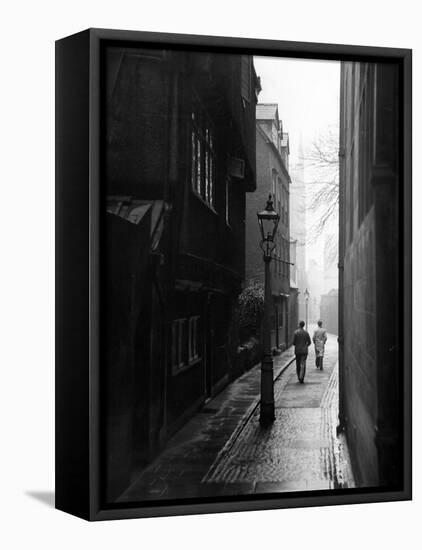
(250, 265)
(210, 284)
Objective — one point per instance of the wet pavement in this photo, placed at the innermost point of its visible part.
(223, 450)
(301, 450)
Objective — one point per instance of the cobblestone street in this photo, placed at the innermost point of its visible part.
(223, 450)
(301, 450)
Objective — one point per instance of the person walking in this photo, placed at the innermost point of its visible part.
(301, 342)
(319, 339)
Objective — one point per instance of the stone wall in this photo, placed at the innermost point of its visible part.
(370, 374)
(359, 336)
(329, 311)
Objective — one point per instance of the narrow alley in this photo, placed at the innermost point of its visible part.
(249, 204)
(223, 450)
(300, 451)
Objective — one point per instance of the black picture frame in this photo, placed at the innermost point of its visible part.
(78, 272)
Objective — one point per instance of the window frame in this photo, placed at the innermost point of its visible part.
(203, 157)
(185, 339)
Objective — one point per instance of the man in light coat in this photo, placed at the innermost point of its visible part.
(319, 339)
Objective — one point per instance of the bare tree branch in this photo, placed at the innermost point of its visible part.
(322, 160)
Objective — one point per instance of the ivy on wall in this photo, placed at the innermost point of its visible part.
(251, 309)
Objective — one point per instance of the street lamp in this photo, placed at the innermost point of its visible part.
(268, 222)
(306, 306)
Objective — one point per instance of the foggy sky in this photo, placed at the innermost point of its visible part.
(307, 93)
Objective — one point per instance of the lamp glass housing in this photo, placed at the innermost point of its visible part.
(268, 221)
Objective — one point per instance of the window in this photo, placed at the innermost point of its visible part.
(274, 135)
(282, 257)
(274, 187)
(287, 259)
(177, 344)
(193, 338)
(280, 199)
(202, 155)
(185, 343)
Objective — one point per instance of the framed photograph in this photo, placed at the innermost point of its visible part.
(233, 280)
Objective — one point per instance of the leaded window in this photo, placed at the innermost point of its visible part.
(185, 343)
(202, 155)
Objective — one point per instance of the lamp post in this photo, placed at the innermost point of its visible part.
(268, 222)
(306, 307)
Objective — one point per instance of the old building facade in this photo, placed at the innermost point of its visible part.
(272, 165)
(369, 284)
(298, 227)
(179, 157)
